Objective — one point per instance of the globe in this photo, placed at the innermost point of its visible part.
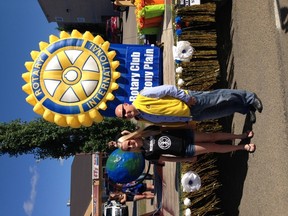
(124, 167)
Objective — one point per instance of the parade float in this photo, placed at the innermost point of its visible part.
(149, 16)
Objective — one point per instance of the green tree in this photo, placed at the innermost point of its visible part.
(47, 140)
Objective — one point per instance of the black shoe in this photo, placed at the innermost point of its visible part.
(252, 116)
(257, 104)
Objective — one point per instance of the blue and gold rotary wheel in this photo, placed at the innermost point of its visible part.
(71, 78)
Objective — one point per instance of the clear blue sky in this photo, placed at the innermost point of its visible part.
(26, 187)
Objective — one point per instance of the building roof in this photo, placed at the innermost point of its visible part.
(77, 11)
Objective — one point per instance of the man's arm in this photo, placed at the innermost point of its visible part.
(123, 198)
(168, 90)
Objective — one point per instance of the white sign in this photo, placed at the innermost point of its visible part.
(95, 166)
(195, 2)
(189, 2)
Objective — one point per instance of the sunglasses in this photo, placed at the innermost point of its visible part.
(123, 112)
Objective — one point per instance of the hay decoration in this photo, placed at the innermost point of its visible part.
(196, 24)
(204, 200)
(198, 27)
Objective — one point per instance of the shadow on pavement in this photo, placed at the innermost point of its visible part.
(126, 13)
(232, 167)
(158, 173)
(224, 43)
(158, 177)
(284, 18)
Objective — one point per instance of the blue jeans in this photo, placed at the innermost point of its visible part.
(220, 103)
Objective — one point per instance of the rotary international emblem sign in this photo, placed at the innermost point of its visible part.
(71, 79)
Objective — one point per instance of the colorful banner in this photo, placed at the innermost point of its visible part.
(140, 67)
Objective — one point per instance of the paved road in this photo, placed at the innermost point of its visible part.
(260, 65)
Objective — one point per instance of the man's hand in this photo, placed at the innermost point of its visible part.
(125, 132)
(192, 101)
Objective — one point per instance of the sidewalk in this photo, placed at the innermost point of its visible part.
(170, 197)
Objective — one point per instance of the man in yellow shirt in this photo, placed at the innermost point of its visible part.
(168, 104)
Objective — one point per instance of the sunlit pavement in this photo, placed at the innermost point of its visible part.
(170, 198)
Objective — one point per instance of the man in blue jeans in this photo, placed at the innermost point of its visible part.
(167, 104)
